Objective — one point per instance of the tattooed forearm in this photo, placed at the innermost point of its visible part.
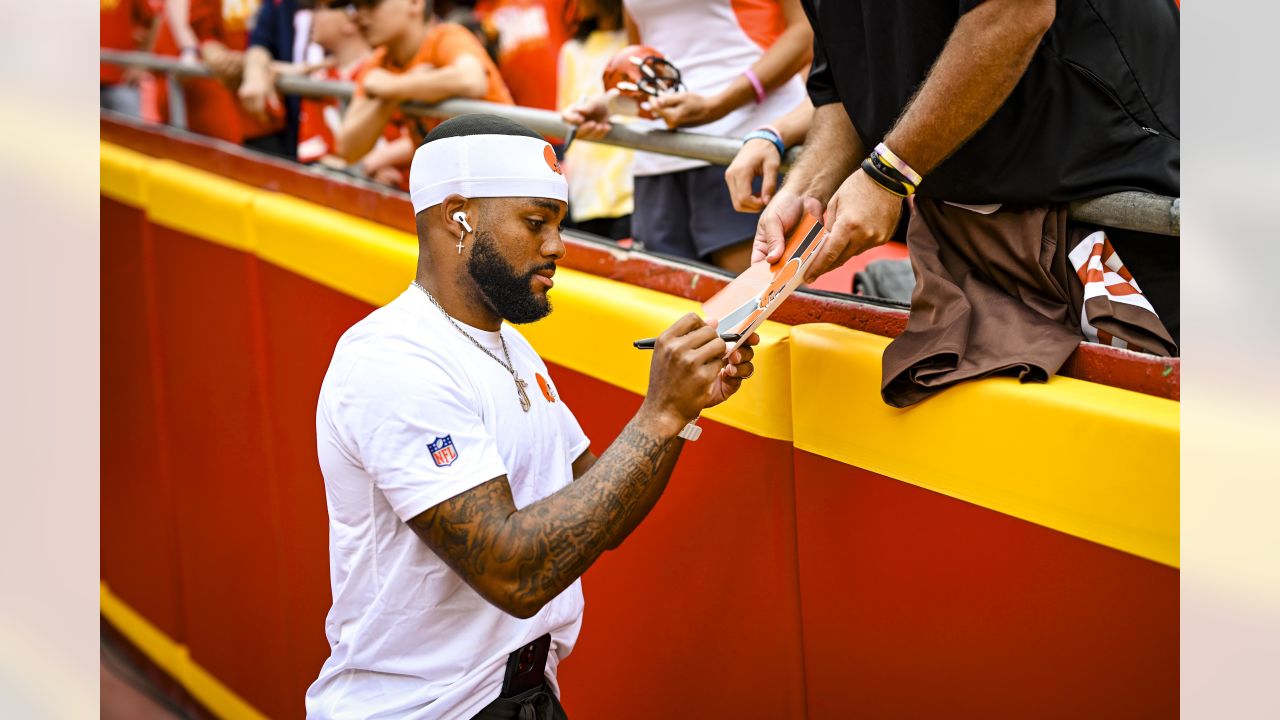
(520, 560)
(573, 527)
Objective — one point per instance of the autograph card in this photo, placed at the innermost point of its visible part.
(749, 299)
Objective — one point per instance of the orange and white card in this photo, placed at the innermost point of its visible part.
(749, 299)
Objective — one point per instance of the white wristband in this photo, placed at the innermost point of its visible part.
(691, 431)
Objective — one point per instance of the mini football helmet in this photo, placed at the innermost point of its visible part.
(639, 73)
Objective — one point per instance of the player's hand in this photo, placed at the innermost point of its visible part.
(258, 96)
(684, 371)
(685, 109)
(860, 216)
(758, 158)
(591, 116)
(737, 367)
(380, 84)
(777, 220)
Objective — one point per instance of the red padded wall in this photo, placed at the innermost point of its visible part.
(917, 605)
(914, 604)
(303, 321)
(697, 614)
(227, 507)
(138, 532)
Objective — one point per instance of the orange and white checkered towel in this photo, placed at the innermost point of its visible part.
(1115, 312)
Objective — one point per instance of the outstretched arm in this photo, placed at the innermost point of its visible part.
(984, 58)
(519, 560)
(464, 77)
(362, 125)
(789, 54)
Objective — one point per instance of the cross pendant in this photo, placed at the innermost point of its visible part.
(524, 396)
(459, 246)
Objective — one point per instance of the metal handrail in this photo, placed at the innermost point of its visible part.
(1144, 212)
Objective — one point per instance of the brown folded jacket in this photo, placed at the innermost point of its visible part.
(997, 294)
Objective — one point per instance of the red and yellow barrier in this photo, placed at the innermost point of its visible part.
(999, 551)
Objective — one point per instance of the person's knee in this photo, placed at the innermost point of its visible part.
(735, 258)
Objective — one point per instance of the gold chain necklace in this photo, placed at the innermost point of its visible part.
(508, 366)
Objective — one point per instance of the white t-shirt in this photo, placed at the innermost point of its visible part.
(708, 44)
(411, 413)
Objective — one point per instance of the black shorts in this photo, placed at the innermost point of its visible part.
(688, 213)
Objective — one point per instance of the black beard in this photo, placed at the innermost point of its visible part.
(507, 293)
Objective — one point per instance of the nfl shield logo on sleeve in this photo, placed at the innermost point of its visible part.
(442, 451)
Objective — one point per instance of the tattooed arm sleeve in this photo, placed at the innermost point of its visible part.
(520, 560)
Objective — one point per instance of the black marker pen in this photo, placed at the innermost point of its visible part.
(650, 343)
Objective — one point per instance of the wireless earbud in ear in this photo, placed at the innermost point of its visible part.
(461, 217)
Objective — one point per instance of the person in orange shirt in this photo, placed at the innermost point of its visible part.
(418, 57)
(334, 30)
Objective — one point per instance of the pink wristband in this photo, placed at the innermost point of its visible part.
(756, 84)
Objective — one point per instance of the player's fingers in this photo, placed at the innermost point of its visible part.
(741, 371)
(711, 349)
(731, 383)
(700, 336)
(685, 325)
(696, 332)
(743, 354)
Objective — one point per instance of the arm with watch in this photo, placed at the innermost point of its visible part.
(985, 56)
(519, 560)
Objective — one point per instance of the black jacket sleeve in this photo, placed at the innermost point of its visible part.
(821, 85)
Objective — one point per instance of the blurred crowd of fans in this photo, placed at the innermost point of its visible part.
(546, 54)
(1012, 114)
(503, 51)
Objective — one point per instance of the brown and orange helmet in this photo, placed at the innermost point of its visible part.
(640, 73)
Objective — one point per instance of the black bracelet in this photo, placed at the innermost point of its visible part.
(886, 169)
(883, 180)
